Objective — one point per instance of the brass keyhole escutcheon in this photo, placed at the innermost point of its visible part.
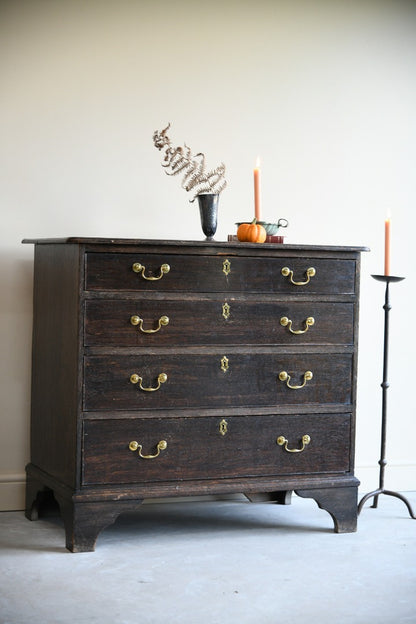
(226, 267)
(226, 310)
(224, 364)
(223, 427)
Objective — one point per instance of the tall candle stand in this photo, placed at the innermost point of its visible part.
(387, 279)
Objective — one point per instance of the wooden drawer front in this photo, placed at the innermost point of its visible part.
(196, 448)
(187, 273)
(215, 380)
(129, 323)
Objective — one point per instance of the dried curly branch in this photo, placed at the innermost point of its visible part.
(192, 167)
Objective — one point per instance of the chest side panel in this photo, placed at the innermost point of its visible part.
(55, 361)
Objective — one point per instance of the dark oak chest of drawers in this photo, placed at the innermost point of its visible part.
(178, 368)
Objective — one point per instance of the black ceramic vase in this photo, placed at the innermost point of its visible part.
(208, 209)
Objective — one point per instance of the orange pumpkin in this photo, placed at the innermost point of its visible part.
(251, 232)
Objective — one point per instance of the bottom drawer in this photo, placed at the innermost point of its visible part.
(177, 449)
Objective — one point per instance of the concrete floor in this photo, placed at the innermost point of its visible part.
(212, 562)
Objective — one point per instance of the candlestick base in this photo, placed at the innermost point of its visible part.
(376, 493)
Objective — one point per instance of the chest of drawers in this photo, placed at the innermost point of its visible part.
(178, 368)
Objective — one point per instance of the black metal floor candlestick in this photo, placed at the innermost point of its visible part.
(380, 490)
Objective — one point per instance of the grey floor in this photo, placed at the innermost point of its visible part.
(209, 562)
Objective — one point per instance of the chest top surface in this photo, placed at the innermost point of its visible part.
(197, 245)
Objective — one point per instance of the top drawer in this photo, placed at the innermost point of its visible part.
(189, 273)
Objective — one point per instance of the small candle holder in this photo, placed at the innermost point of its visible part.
(387, 279)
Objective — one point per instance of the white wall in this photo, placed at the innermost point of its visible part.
(324, 92)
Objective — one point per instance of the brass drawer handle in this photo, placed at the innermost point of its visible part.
(285, 377)
(311, 272)
(135, 446)
(136, 320)
(286, 322)
(282, 441)
(140, 268)
(135, 378)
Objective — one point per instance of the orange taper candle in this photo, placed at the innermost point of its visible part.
(257, 191)
(387, 226)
